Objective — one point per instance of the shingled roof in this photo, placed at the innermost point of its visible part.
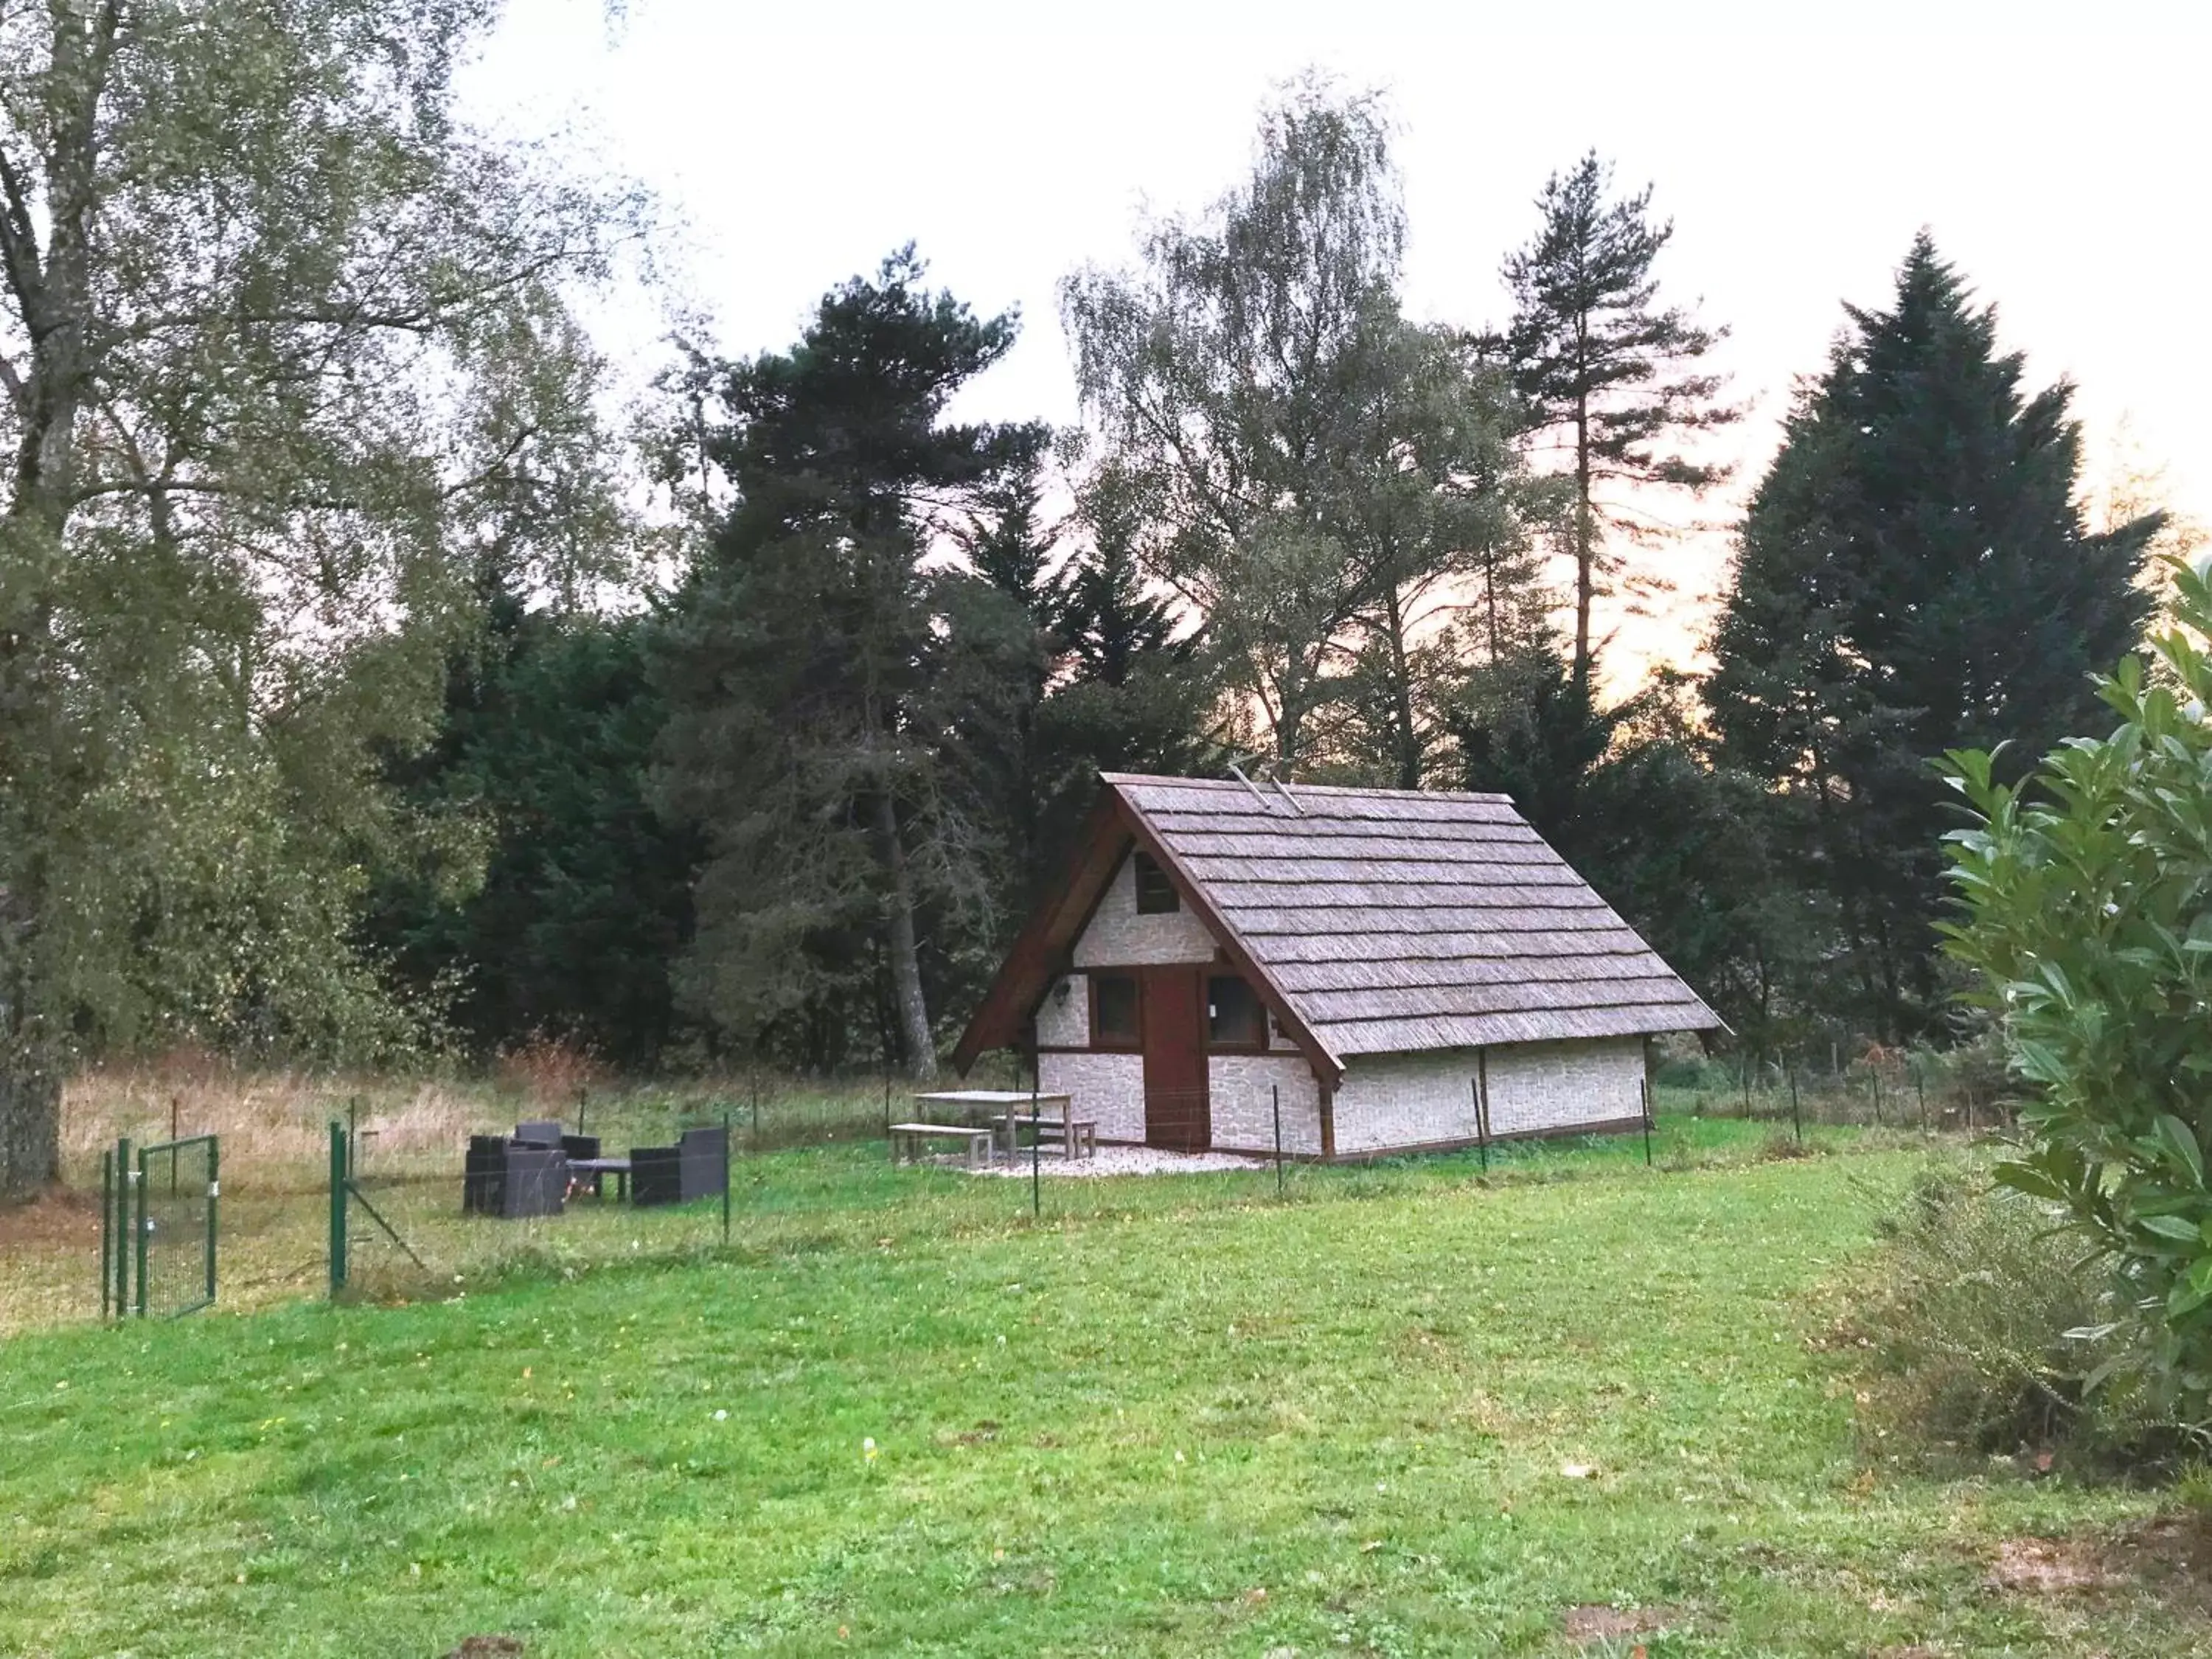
(1385, 920)
(1394, 919)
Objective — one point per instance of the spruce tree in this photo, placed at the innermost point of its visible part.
(1915, 576)
(545, 897)
(1603, 365)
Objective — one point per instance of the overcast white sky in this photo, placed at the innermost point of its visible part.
(2058, 153)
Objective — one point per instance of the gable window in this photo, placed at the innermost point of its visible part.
(1114, 1011)
(1234, 1015)
(1156, 893)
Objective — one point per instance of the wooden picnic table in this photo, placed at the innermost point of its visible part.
(1010, 1111)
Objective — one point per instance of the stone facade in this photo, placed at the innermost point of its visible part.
(1551, 1085)
(1415, 1100)
(1064, 1021)
(1107, 1090)
(1240, 1100)
(1119, 937)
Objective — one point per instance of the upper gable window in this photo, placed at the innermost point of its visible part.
(1156, 893)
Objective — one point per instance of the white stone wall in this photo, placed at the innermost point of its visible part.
(1550, 1086)
(1239, 1094)
(1064, 1022)
(1412, 1100)
(1107, 1090)
(1119, 937)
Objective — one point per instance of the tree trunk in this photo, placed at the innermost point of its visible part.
(30, 1129)
(906, 960)
(1585, 543)
(1490, 596)
(1405, 739)
(53, 291)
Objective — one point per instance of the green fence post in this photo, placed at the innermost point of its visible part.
(138, 1231)
(725, 1176)
(337, 1207)
(106, 1229)
(214, 1190)
(122, 1226)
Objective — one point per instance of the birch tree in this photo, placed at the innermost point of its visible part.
(281, 344)
(1310, 468)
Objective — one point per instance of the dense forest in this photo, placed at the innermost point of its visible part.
(367, 691)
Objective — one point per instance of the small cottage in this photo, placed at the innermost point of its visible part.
(1402, 970)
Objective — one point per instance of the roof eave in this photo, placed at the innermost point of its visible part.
(1022, 977)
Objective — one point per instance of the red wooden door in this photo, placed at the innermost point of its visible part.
(1176, 1112)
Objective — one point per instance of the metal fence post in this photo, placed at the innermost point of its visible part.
(215, 1191)
(106, 1229)
(1645, 1084)
(1481, 1122)
(139, 1229)
(1276, 1090)
(1036, 1145)
(1796, 1119)
(122, 1226)
(337, 1207)
(725, 1176)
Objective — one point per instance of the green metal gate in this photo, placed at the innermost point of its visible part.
(158, 1227)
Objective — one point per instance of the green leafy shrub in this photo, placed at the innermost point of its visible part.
(2088, 894)
(1983, 1332)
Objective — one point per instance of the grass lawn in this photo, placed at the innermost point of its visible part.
(1406, 1414)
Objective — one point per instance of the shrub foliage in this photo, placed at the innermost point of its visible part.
(2087, 889)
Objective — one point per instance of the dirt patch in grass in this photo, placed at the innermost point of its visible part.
(2170, 1556)
(486, 1647)
(1592, 1622)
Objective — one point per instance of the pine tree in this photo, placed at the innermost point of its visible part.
(805, 666)
(1915, 576)
(1601, 363)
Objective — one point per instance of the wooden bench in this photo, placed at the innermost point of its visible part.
(1076, 1138)
(906, 1141)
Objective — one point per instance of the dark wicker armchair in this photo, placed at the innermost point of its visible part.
(695, 1166)
(514, 1179)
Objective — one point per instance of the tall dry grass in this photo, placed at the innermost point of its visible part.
(269, 1120)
